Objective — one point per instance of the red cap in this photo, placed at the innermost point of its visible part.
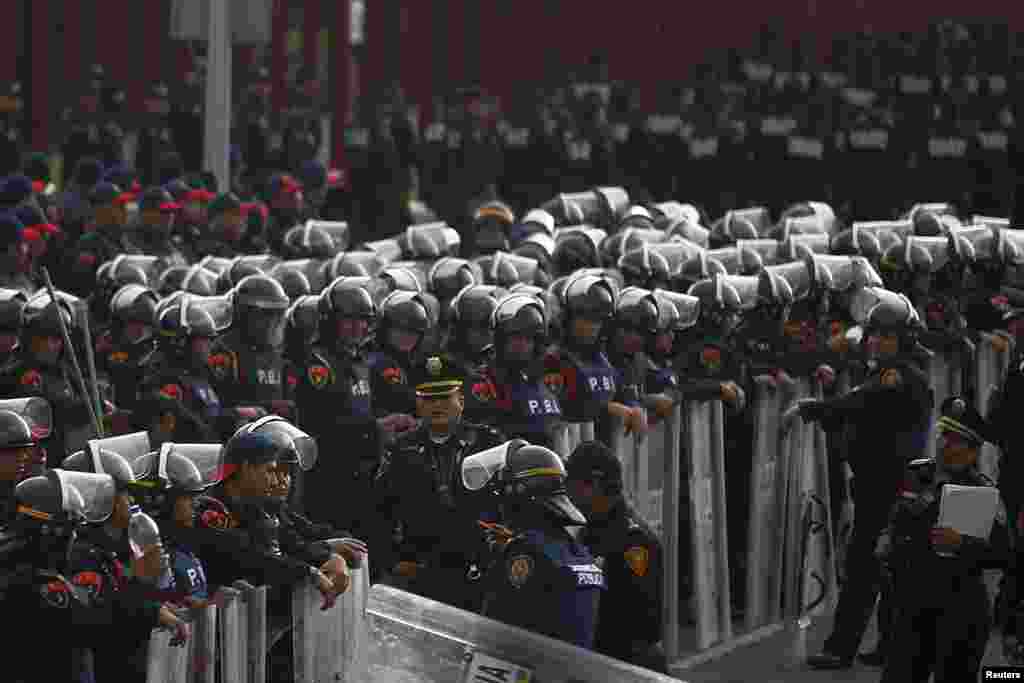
(255, 206)
(199, 195)
(38, 186)
(31, 235)
(170, 207)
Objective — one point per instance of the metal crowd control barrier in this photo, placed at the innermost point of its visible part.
(331, 645)
(704, 444)
(810, 573)
(416, 640)
(990, 367)
(192, 663)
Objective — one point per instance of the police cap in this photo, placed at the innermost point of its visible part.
(592, 461)
(959, 416)
(438, 376)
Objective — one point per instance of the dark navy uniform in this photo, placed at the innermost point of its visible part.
(942, 612)
(541, 578)
(518, 405)
(548, 583)
(429, 518)
(629, 625)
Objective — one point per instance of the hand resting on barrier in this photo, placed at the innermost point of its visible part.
(351, 549)
(172, 622)
(661, 407)
(634, 419)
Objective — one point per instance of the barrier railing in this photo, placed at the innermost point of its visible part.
(418, 640)
(674, 474)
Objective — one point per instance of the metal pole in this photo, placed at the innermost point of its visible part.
(218, 94)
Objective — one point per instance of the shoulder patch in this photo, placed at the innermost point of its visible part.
(171, 391)
(320, 376)
(393, 375)
(483, 391)
(31, 378)
(553, 381)
(214, 519)
(91, 581)
(520, 568)
(638, 558)
(711, 357)
(221, 364)
(55, 594)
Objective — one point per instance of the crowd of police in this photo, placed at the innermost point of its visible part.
(262, 384)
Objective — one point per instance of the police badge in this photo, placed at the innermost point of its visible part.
(520, 568)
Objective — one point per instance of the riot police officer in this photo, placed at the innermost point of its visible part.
(943, 619)
(169, 481)
(404, 322)
(629, 553)
(42, 370)
(336, 403)
(12, 320)
(242, 539)
(541, 579)
(227, 232)
(247, 363)
(20, 454)
(430, 540)
(510, 394)
(41, 581)
(179, 401)
(101, 552)
(131, 311)
(580, 374)
(471, 341)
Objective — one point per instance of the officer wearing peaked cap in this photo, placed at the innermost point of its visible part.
(429, 533)
(942, 616)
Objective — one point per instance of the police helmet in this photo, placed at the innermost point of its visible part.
(177, 469)
(519, 314)
(234, 274)
(101, 461)
(645, 268)
(637, 309)
(293, 445)
(400, 278)
(58, 500)
(308, 241)
(524, 474)
(12, 314)
(135, 304)
(474, 305)
(449, 275)
(407, 311)
(294, 282)
(588, 296)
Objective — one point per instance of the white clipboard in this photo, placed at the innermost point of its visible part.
(971, 510)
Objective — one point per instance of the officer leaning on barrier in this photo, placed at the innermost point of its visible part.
(885, 422)
(629, 553)
(40, 582)
(540, 577)
(942, 610)
(243, 540)
(510, 394)
(429, 537)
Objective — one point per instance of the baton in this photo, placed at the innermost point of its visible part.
(90, 362)
(71, 351)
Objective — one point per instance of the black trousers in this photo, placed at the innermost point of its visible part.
(948, 641)
(863, 572)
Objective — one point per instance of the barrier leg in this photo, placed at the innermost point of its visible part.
(708, 523)
(670, 534)
(204, 635)
(255, 642)
(233, 666)
(765, 540)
